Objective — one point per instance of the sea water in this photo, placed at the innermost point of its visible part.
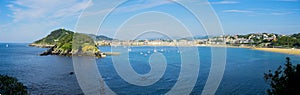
(243, 74)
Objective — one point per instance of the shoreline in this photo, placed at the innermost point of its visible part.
(277, 50)
(280, 50)
(41, 45)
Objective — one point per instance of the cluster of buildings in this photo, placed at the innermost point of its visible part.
(261, 39)
(148, 43)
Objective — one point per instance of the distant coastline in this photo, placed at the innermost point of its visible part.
(61, 42)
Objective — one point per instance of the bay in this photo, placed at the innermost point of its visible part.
(50, 74)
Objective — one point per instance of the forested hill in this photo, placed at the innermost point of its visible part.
(100, 37)
(56, 36)
(61, 42)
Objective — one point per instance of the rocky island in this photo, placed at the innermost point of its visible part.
(67, 43)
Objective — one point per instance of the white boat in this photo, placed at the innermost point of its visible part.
(6, 45)
(129, 50)
(154, 50)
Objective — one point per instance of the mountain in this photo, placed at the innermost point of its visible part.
(67, 43)
(194, 38)
(100, 37)
(55, 37)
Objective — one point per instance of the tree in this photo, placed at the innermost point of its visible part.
(284, 81)
(11, 86)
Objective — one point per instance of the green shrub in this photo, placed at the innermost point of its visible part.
(285, 80)
(11, 86)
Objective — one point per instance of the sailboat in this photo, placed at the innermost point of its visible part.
(6, 45)
(154, 50)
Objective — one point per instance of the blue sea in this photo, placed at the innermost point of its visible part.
(243, 74)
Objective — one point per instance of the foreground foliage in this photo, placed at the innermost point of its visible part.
(11, 86)
(285, 80)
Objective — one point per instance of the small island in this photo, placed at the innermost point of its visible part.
(68, 43)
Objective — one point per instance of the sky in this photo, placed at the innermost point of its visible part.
(24, 21)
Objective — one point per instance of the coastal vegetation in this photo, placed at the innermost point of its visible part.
(58, 37)
(11, 86)
(66, 43)
(285, 80)
(288, 41)
(266, 40)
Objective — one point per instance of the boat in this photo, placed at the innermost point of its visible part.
(155, 50)
(6, 45)
(162, 50)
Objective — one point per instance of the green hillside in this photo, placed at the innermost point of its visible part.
(67, 43)
(100, 37)
(57, 36)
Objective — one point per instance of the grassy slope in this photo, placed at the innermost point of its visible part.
(65, 44)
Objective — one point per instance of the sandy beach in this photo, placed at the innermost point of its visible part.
(280, 50)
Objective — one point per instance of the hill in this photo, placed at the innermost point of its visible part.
(100, 37)
(66, 43)
(55, 37)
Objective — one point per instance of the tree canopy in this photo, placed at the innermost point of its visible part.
(285, 80)
(11, 86)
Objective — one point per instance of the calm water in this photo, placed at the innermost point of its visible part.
(50, 74)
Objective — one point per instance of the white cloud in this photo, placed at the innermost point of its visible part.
(146, 5)
(33, 19)
(130, 8)
(225, 2)
(280, 13)
(237, 11)
(45, 9)
(256, 12)
(288, 0)
(273, 12)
